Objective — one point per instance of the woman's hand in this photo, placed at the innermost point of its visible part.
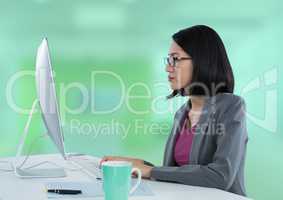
(134, 161)
(145, 169)
(138, 163)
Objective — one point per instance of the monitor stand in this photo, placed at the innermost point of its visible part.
(33, 172)
(40, 173)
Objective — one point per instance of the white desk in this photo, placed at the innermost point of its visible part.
(14, 188)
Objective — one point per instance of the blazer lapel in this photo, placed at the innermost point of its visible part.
(177, 126)
(200, 131)
(201, 128)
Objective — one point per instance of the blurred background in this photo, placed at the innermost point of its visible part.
(110, 77)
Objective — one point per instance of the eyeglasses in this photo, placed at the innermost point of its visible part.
(172, 61)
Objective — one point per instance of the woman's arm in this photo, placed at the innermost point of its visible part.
(226, 161)
(148, 163)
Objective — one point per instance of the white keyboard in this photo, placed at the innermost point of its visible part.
(88, 164)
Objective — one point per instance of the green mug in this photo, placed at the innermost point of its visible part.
(117, 179)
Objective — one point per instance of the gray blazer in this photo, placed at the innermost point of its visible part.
(217, 156)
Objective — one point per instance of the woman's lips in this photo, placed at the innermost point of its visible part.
(170, 78)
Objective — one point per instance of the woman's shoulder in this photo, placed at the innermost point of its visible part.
(228, 99)
(227, 104)
(221, 103)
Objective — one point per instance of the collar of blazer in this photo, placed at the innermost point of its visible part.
(208, 110)
(200, 130)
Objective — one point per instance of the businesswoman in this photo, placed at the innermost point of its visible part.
(207, 144)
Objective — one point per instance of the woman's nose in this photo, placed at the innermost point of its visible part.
(169, 68)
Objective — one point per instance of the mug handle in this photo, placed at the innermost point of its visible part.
(139, 180)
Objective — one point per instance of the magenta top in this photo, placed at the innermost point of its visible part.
(183, 145)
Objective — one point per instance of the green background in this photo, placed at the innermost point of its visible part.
(129, 38)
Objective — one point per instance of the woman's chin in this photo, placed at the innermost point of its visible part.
(174, 86)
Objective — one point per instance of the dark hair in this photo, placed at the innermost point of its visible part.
(212, 72)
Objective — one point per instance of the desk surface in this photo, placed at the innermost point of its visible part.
(14, 188)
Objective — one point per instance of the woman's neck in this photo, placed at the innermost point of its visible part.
(197, 102)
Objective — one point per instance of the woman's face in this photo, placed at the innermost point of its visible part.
(179, 75)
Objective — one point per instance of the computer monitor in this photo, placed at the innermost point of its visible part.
(47, 96)
(47, 101)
